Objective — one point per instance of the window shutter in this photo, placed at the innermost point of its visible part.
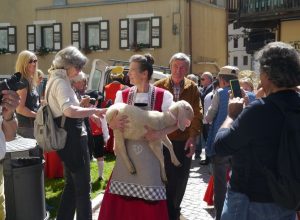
(57, 37)
(124, 33)
(156, 32)
(104, 35)
(75, 34)
(31, 39)
(12, 39)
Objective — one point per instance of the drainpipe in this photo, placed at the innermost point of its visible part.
(190, 35)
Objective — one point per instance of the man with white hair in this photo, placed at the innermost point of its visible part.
(217, 114)
(183, 141)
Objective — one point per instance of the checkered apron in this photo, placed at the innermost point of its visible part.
(146, 183)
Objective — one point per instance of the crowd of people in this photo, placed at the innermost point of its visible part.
(226, 126)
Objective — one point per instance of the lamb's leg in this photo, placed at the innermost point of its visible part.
(169, 145)
(121, 151)
(156, 147)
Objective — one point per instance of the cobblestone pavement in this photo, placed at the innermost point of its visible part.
(192, 207)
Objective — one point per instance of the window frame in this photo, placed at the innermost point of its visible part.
(235, 61)
(34, 33)
(43, 27)
(135, 23)
(128, 31)
(11, 46)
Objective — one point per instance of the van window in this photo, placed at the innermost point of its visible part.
(96, 79)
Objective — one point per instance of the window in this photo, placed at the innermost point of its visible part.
(245, 41)
(44, 37)
(245, 60)
(137, 32)
(235, 43)
(142, 32)
(8, 41)
(47, 36)
(90, 35)
(235, 61)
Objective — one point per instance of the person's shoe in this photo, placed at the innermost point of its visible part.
(204, 162)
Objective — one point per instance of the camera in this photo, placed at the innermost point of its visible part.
(93, 101)
(12, 83)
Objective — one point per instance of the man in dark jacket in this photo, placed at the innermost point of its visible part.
(183, 141)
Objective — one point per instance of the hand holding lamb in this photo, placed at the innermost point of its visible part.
(180, 113)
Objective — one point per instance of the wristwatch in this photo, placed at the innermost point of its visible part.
(13, 116)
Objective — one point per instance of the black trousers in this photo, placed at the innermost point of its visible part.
(177, 178)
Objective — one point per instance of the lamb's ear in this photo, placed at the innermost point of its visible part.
(111, 114)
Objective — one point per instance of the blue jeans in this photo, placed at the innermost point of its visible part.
(238, 207)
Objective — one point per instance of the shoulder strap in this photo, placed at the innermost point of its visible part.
(125, 94)
(63, 117)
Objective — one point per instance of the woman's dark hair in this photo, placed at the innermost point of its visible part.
(281, 62)
(145, 62)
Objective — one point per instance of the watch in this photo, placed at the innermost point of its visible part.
(13, 116)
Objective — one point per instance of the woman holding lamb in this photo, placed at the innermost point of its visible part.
(141, 195)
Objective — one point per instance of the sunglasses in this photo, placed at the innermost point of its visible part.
(202, 79)
(32, 61)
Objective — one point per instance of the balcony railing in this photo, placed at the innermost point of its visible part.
(265, 6)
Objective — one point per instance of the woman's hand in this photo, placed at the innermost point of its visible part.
(100, 112)
(151, 134)
(119, 123)
(235, 107)
(10, 101)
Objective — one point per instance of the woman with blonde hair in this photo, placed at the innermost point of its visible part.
(27, 64)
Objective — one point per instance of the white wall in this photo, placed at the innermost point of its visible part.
(240, 52)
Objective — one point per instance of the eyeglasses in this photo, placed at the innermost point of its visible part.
(32, 61)
(202, 79)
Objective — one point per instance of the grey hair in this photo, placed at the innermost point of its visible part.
(81, 76)
(69, 57)
(281, 62)
(193, 77)
(180, 56)
(209, 75)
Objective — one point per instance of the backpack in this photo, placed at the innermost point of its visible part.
(46, 132)
(285, 183)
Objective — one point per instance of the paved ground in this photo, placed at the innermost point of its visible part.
(193, 206)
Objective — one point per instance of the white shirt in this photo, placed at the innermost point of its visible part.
(144, 98)
(61, 95)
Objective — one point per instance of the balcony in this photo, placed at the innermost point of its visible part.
(266, 13)
(232, 8)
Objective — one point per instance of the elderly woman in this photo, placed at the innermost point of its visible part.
(253, 137)
(143, 195)
(62, 100)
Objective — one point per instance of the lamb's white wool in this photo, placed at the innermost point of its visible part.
(180, 113)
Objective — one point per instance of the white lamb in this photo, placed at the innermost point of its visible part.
(180, 113)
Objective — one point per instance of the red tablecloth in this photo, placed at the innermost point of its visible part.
(53, 165)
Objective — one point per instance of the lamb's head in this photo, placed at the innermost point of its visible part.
(184, 113)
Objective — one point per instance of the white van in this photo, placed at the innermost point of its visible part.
(100, 74)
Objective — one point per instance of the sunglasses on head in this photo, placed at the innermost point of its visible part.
(32, 61)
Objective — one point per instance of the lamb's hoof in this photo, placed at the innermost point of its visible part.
(133, 172)
(177, 164)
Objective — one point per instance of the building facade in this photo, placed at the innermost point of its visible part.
(115, 29)
(237, 40)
